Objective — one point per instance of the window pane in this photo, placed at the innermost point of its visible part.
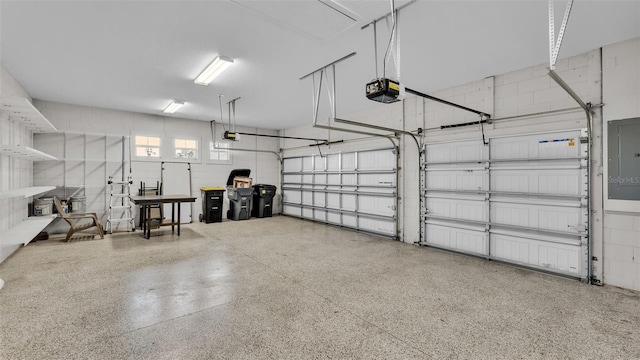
(178, 143)
(153, 152)
(191, 144)
(140, 151)
(146, 151)
(224, 155)
(154, 141)
(141, 140)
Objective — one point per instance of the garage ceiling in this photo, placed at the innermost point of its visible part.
(139, 55)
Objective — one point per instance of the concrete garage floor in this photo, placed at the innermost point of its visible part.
(282, 288)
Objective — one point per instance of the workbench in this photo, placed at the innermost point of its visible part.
(147, 200)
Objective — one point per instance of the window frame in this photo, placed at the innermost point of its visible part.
(148, 137)
(176, 148)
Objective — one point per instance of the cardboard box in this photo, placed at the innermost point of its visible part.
(242, 182)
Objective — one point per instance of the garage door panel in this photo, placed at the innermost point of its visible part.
(320, 215)
(307, 180)
(348, 161)
(291, 210)
(529, 193)
(537, 216)
(377, 179)
(294, 180)
(333, 179)
(307, 163)
(376, 160)
(377, 225)
(292, 196)
(555, 182)
(457, 180)
(307, 197)
(319, 199)
(334, 218)
(333, 162)
(469, 241)
(456, 151)
(383, 206)
(344, 189)
(349, 202)
(542, 254)
(307, 213)
(292, 164)
(350, 221)
(456, 208)
(319, 163)
(555, 145)
(349, 179)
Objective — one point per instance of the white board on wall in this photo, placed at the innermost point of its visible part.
(176, 182)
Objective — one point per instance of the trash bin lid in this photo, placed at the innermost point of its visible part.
(212, 188)
(266, 186)
(237, 172)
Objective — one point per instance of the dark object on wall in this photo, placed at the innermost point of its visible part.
(624, 159)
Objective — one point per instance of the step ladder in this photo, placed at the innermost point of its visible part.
(120, 206)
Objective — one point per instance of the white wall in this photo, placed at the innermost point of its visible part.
(90, 143)
(513, 99)
(621, 94)
(14, 173)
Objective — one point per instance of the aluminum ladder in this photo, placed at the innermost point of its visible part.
(120, 206)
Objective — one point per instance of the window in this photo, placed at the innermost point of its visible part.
(186, 149)
(221, 153)
(147, 146)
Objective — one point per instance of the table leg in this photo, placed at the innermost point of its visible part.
(173, 221)
(147, 220)
(179, 218)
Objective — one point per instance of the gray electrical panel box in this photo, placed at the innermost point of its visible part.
(624, 159)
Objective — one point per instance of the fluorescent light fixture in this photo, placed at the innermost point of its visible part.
(173, 107)
(217, 66)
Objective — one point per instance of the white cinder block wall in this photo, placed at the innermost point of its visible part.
(14, 173)
(621, 96)
(511, 99)
(89, 144)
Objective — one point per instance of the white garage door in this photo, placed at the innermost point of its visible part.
(356, 190)
(520, 199)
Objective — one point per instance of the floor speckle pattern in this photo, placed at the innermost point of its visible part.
(282, 288)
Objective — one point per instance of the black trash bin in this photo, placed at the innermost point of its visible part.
(211, 204)
(263, 200)
(239, 198)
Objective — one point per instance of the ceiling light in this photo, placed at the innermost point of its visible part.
(214, 69)
(173, 107)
